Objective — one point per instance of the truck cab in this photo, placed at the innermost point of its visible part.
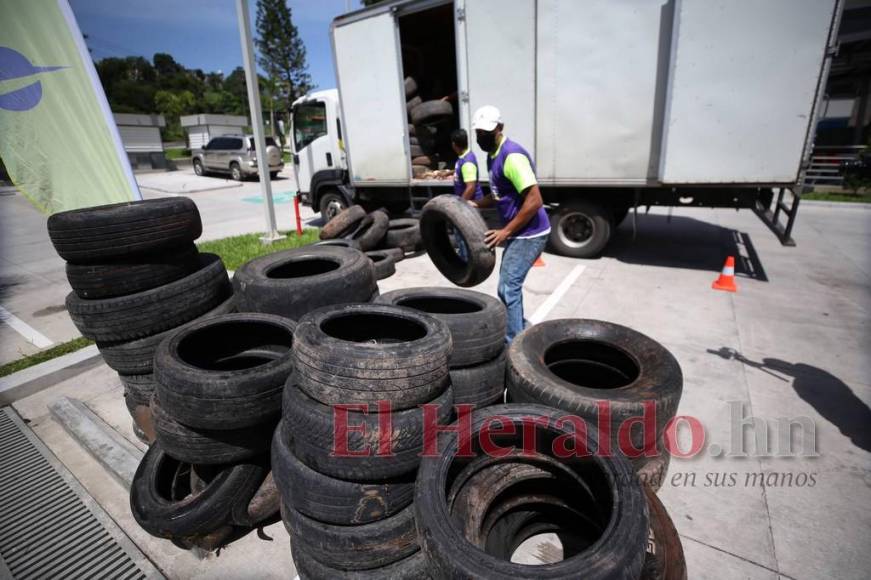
(318, 152)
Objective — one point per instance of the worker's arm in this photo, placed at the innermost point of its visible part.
(519, 172)
(469, 172)
(485, 202)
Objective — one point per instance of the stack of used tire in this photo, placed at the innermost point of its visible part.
(294, 282)
(474, 511)
(347, 449)
(218, 400)
(580, 366)
(385, 241)
(428, 130)
(477, 323)
(136, 275)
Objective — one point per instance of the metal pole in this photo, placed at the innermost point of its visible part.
(257, 120)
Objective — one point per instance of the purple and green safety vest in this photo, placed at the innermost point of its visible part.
(460, 182)
(508, 199)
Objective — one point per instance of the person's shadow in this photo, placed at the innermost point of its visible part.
(825, 392)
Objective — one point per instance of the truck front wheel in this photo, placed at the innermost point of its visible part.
(580, 229)
(331, 204)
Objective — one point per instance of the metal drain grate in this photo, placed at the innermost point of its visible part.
(49, 526)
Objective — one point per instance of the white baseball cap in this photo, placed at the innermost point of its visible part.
(486, 118)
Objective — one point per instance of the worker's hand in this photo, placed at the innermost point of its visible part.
(472, 203)
(495, 237)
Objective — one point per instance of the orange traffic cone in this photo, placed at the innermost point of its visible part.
(539, 263)
(726, 281)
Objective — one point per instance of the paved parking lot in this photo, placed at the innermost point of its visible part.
(792, 344)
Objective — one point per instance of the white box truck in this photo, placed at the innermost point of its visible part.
(621, 103)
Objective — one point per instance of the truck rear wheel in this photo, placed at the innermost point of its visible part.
(581, 229)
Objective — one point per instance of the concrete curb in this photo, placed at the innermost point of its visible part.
(44, 375)
(836, 204)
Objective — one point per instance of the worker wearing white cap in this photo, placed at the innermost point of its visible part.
(525, 225)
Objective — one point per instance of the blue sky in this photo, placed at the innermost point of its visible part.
(200, 33)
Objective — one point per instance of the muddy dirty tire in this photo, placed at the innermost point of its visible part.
(225, 372)
(410, 87)
(165, 514)
(412, 103)
(665, 558)
(136, 357)
(309, 429)
(609, 483)
(139, 388)
(343, 223)
(396, 253)
(431, 112)
(477, 321)
(413, 567)
(365, 353)
(340, 242)
(294, 282)
(384, 263)
(371, 230)
(575, 364)
(442, 213)
(123, 277)
(363, 547)
(265, 505)
(211, 447)
(402, 233)
(335, 501)
(480, 385)
(119, 231)
(152, 311)
(653, 470)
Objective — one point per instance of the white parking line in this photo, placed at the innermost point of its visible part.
(32, 335)
(557, 295)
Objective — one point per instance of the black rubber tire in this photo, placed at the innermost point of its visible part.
(665, 558)
(431, 112)
(412, 140)
(416, 152)
(340, 242)
(413, 567)
(362, 547)
(477, 322)
(225, 372)
(198, 167)
(599, 216)
(263, 509)
(308, 427)
(119, 231)
(449, 210)
(163, 512)
(652, 471)
(132, 275)
(294, 282)
(403, 233)
(152, 311)
(331, 500)
(138, 389)
(411, 103)
(398, 254)
(410, 88)
(365, 353)
(236, 172)
(481, 385)
(450, 555)
(136, 357)
(384, 263)
(371, 230)
(344, 223)
(628, 368)
(273, 174)
(209, 447)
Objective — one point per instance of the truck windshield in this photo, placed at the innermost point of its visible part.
(309, 123)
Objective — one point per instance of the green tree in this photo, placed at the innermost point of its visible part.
(172, 106)
(282, 56)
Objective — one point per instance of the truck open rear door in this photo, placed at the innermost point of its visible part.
(371, 90)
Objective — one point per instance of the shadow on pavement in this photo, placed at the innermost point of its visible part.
(830, 396)
(683, 242)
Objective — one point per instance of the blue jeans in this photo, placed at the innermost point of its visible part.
(517, 259)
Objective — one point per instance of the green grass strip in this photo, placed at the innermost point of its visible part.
(42, 356)
(237, 250)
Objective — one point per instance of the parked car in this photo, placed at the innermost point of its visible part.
(236, 155)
